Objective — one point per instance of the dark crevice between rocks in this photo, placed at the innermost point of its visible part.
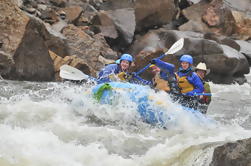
(118, 45)
(248, 58)
(2, 67)
(181, 20)
(84, 68)
(239, 78)
(184, 4)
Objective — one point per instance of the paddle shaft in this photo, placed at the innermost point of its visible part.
(202, 94)
(147, 66)
(174, 48)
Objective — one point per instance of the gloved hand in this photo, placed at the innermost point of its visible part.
(153, 61)
(122, 76)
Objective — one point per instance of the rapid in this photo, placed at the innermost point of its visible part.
(56, 123)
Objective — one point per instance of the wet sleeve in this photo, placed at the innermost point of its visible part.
(141, 81)
(167, 67)
(103, 75)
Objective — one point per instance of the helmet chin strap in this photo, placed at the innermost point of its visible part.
(185, 70)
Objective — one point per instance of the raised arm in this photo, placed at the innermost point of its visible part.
(167, 67)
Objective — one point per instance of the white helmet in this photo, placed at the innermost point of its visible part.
(202, 66)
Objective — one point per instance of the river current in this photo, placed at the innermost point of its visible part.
(60, 124)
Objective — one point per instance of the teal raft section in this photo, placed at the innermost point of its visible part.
(149, 112)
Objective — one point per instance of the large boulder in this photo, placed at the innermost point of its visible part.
(72, 13)
(242, 25)
(24, 44)
(104, 24)
(245, 48)
(5, 62)
(242, 6)
(94, 51)
(147, 13)
(217, 17)
(233, 154)
(222, 40)
(226, 64)
(117, 24)
(209, 17)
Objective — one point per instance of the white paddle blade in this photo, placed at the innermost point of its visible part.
(178, 45)
(71, 73)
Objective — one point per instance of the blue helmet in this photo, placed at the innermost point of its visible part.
(126, 57)
(186, 58)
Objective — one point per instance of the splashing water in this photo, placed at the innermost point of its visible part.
(61, 124)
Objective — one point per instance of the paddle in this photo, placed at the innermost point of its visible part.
(203, 94)
(174, 48)
(71, 73)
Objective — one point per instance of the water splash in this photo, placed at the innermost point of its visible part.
(60, 124)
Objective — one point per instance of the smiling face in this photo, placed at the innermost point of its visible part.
(124, 65)
(185, 65)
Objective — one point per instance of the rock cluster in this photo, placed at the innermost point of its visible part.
(38, 36)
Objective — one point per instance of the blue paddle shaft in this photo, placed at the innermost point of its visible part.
(202, 94)
(174, 48)
(147, 66)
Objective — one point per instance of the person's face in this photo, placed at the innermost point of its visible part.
(124, 65)
(201, 73)
(185, 65)
(155, 69)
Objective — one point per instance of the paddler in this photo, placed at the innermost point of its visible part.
(201, 70)
(188, 81)
(117, 71)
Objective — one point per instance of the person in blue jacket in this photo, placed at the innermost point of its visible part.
(117, 71)
(188, 81)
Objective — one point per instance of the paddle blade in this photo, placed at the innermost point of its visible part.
(71, 73)
(176, 46)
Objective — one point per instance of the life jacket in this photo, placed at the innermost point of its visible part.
(206, 99)
(184, 84)
(160, 83)
(167, 82)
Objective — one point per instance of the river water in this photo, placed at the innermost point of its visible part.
(59, 124)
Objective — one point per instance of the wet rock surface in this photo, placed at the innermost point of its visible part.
(233, 154)
(96, 32)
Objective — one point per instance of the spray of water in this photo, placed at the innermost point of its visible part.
(61, 124)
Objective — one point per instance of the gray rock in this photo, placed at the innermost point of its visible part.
(245, 49)
(124, 20)
(147, 13)
(32, 60)
(227, 64)
(233, 154)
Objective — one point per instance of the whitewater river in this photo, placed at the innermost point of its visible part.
(59, 124)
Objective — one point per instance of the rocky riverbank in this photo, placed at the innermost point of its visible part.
(37, 37)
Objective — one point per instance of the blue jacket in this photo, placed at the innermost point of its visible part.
(192, 77)
(103, 75)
